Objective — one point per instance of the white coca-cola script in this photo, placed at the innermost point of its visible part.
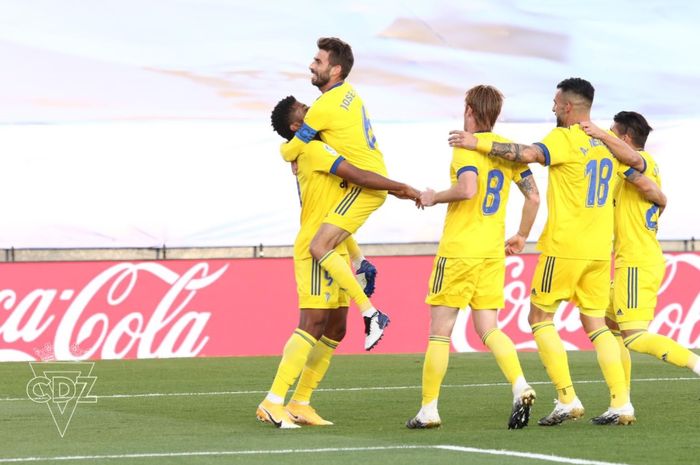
(87, 329)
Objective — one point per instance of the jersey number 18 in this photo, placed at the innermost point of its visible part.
(599, 181)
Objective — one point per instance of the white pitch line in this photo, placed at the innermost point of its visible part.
(527, 455)
(346, 389)
(472, 450)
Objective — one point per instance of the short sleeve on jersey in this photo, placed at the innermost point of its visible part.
(464, 160)
(464, 169)
(336, 164)
(556, 147)
(323, 158)
(545, 151)
(521, 173)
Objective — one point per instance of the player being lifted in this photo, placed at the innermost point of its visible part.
(469, 268)
(575, 245)
(341, 120)
(639, 261)
(324, 304)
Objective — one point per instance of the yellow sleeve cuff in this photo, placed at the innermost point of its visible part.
(484, 146)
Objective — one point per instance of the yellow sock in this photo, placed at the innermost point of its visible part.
(340, 270)
(294, 356)
(625, 358)
(353, 249)
(661, 347)
(315, 369)
(554, 359)
(610, 363)
(437, 357)
(502, 347)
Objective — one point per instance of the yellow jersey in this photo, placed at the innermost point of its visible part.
(319, 191)
(475, 228)
(579, 195)
(636, 221)
(340, 118)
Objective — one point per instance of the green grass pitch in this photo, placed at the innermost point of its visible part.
(202, 411)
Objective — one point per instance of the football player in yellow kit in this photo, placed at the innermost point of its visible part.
(639, 261)
(470, 266)
(340, 119)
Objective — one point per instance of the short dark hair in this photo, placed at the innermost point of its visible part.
(339, 53)
(578, 86)
(486, 103)
(281, 115)
(635, 125)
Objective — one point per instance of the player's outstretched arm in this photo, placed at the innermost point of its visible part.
(371, 180)
(464, 189)
(648, 188)
(618, 147)
(528, 187)
(520, 153)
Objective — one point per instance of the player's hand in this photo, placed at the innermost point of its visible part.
(427, 198)
(515, 244)
(463, 139)
(414, 194)
(406, 192)
(295, 168)
(592, 130)
(417, 200)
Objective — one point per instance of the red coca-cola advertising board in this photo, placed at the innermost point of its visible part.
(202, 308)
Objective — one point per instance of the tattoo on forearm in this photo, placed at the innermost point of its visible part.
(527, 186)
(634, 175)
(511, 152)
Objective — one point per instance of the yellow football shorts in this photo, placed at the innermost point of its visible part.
(583, 282)
(634, 294)
(316, 288)
(354, 208)
(476, 282)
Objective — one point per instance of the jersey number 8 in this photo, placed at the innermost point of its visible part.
(492, 199)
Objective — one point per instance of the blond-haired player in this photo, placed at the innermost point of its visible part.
(469, 269)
